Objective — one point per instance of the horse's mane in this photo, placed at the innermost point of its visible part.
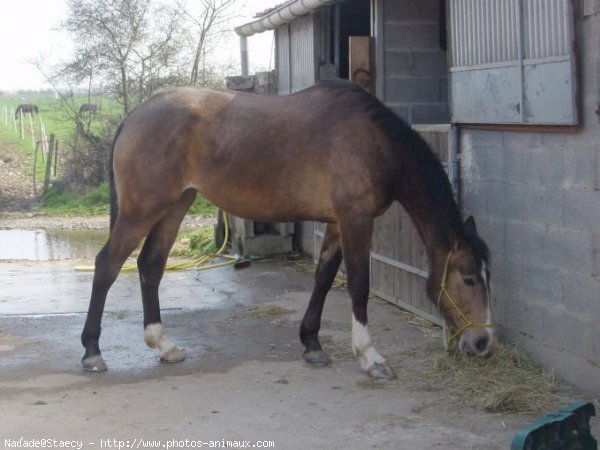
(419, 168)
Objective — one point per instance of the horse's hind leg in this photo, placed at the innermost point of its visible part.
(151, 266)
(356, 234)
(327, 268)
(123, 239)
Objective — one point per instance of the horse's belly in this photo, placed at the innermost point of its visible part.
(273, 204)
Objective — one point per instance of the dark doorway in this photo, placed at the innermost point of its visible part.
(355, 20)
(345, 19)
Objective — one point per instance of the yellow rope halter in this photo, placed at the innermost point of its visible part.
(468, 322)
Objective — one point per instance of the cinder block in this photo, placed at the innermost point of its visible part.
(525, 317)
(539, 205)
(594, 354)
(412, 10)
(398, 63)
(539, 282)
(492, 156)
(597, 168)
(473, 164)
(434, 113)
(495, 162)
(522, 139)
(307, 238)
(548, 247)
(482, 137)
(428, 64)
(582, 210)
(581, 293)
(554, 140)
(263, 245)
(412, 36)
(240, 83)
(580, 168)
(565, 331)
(542, 167)
(512, 164)
(414, 90)
(506, 277)
(595, 249)
(474, 200)
(503, 201)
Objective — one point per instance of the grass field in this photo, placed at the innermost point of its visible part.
(57, 119)
(54, 114)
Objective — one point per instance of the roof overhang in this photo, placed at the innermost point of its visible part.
(281, 15)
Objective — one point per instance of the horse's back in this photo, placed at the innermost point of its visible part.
(263, 157)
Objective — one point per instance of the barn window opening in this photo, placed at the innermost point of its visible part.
(512, 61)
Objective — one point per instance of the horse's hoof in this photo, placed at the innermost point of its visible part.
(94, 364)
(382, 371)
(317, 358)
(173, 355)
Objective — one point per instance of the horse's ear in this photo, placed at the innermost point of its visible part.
(470, 227)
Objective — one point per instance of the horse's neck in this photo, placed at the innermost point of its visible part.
(433, 211)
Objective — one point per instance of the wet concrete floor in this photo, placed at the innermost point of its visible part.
(243, 379)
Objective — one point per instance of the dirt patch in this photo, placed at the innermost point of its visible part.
(16, 182)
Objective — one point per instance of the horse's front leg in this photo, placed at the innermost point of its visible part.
(356, 245)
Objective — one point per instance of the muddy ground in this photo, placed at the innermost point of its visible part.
(243, 379)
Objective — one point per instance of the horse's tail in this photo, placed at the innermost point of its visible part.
(114, 205)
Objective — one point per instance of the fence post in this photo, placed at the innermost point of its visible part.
(49, 163)
(35, 167)
(31, 127)
(55, 156)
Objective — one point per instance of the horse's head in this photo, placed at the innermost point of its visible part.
(459, 284)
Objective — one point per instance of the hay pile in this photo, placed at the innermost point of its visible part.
(508, 381)
(269, 311)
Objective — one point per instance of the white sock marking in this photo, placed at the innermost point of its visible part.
(363, 347)
(155, 337)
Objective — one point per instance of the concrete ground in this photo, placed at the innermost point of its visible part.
(244, 378)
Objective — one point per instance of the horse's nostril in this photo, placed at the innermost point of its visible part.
(481, 344)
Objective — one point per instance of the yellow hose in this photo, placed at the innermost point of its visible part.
(198, 263)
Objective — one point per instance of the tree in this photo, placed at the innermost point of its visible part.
(131, 46)
(209, 21)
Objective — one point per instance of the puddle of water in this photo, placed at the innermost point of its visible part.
(41, 245)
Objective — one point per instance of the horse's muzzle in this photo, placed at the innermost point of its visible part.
(477, 341)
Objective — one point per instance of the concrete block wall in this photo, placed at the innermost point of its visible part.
(536, 199)
(414, 68)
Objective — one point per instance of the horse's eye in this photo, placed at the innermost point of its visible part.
(469, 281)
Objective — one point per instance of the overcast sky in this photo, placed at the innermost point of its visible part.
(29, 31)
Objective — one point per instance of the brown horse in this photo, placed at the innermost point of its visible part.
(332, 153)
